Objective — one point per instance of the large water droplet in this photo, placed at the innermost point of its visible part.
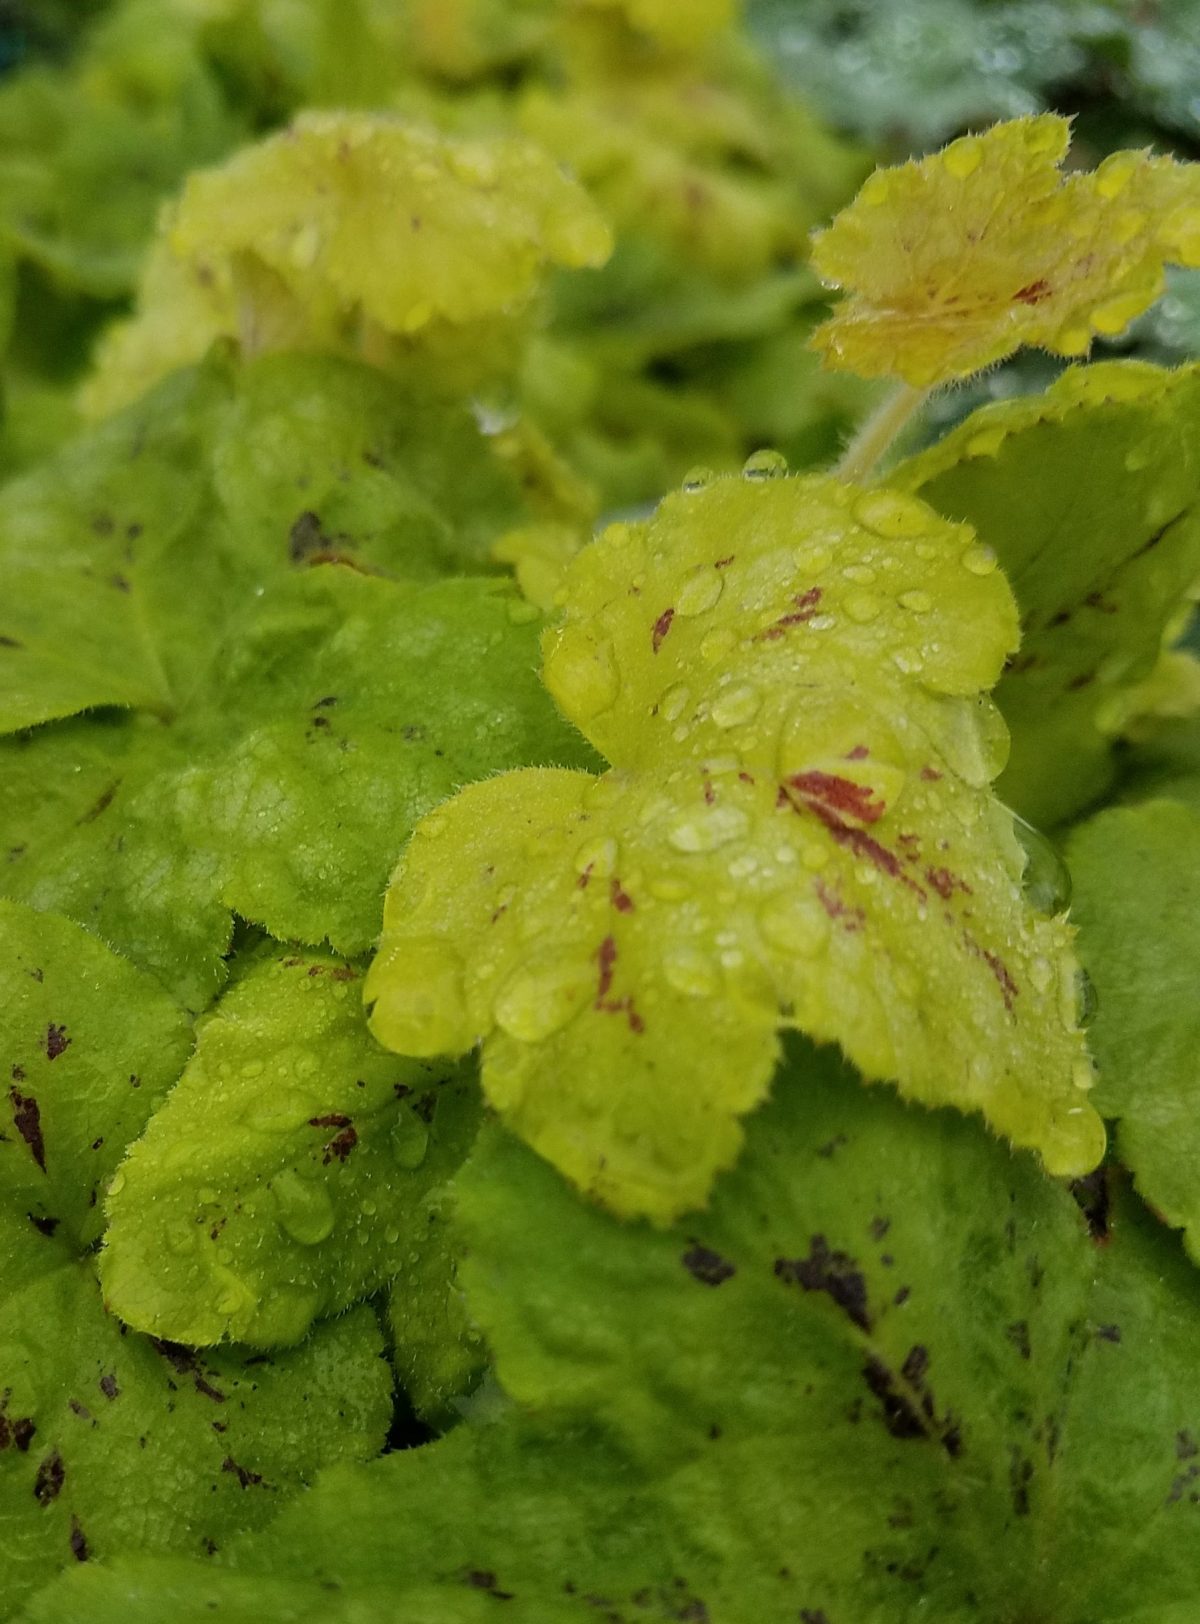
(674, 702)
(917, 603)
(794, 925)
(420, 1007)
(700, 591)
(581, 672)
(862, 607)
(890, 514)
(716, 644)
(765, 465)
(697, 478)
(303, 1210)
(979, 560)
(540, 997)
(707, 828)
(410, 1139)
(734, 706)
(1047, 879)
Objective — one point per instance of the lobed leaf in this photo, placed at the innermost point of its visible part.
(796, 831)
(293, 1170)
(1090, 497)
(1137, 902)
(350, 233)
(953, 261)
(112, 1442)
(887, 1376)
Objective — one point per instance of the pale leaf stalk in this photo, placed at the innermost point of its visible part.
(879, 431)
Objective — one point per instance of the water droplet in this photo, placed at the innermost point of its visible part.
(716, 644)
(860, 574)
(690, 971)
(917, 603)
(979, 560)
(278, 1110)
(765, 465)
(416, 985)
(909, 660)
(303, 1210)
(707, 829)
(410, 1139)
(700, 591)
(794, 925)
(117, 1183)
(540, 997)
(963, 157)
(674, 702)
(697, 478)
(597, 857)
(1047, 879)
(734, 706)
(1087, 999)
(581, 673)
(1083, 1073)
(862, 607)
(890, 514)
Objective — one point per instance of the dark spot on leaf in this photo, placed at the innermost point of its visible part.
(1108, 1333)
(44, 1226)
(56, 1041)
(661, 627)
(186, 1363)
(485, 1579)
(108, 1385)
(27, 1119)
(79, 1544)
(1181, 1483)
(813, 1615)
(1018, 1334)
(306, 537)
(879, 1228)
(831, 1146)
(1162, 530)
(244, 1475)
(1033, 293)
(335, 1119)
(1185, 1445)
(426, 1107)
(707, 1266)
(1020, 1475)
(340, 1146)
(10, 642)
(1093, 1196)
(832, 1272)
(48, 1483)
(620, 899)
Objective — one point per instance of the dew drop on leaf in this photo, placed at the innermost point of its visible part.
(700, 591)
(765, 465)
(540, 998)
(304, 1211)
(1046, 881)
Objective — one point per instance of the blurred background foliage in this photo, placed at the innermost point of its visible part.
(690, 347)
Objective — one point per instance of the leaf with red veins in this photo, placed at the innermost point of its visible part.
(796, 831)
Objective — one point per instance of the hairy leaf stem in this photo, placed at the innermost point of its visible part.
(878, 432)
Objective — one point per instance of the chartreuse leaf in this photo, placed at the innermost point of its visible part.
(797, 831)
(290, 1172)
(1090, 497)
(111, 1441)
(1136, 875)
(887, 1376)
(351, 233)
(954, 261)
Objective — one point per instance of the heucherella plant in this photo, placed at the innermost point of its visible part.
(710, 1191)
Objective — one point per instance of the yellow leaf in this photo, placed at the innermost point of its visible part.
(953, 262)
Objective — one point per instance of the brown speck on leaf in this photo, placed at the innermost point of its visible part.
(57, 1041)
(79, 1544)
(1108, 1333)
(707, 1266)
(27, 1119)
(830, 1271)
(51, 1473)
(485, 1579)
(245, 1477)
(44, 1226)
(108, 1385)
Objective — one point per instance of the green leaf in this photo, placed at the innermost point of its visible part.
(78, 1086)
(1089, 497)
(110, 1441)
(797, 831)
(1136, 879)
(887, 1376)
(294, 1169)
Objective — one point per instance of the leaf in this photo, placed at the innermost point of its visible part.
(355, 234)
(796, 831)
(1089, 496)
(292, 1171)
(77, 1089)
(1136, 878)
(954, 261)
(887, 1376)
(110, 1441)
